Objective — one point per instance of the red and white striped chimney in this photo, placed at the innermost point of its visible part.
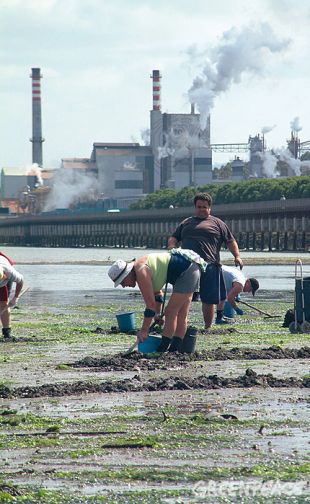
(36, 139)
(156, 89)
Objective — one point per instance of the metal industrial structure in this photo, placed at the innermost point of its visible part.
(37, 139)
(296, 147)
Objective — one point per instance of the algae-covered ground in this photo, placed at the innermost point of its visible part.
(81, 422)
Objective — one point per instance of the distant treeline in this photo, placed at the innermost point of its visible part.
(232, 192)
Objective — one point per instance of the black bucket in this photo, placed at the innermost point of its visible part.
(189, 341)
(299, 301)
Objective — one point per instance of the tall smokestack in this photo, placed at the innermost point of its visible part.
(36, 139)
(156, 89)
(156, 131)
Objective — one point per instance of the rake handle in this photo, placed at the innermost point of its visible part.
(258, 310)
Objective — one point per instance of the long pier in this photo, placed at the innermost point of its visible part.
(268, 225)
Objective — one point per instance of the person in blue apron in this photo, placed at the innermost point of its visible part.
(182, 269)
(205, 234)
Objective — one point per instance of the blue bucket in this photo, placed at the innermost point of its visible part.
(229, 312)
(126, 321)
(151, 344)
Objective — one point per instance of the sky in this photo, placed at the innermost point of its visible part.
(248, 60)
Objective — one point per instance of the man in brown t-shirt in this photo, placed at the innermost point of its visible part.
(205, 234)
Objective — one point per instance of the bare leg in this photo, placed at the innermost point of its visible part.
(208, 314)
(182, 319)
(220, 306)
(6, 315)
(178, 306)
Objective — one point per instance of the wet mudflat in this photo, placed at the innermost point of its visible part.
(82, 422)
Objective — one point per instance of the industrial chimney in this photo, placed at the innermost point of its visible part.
(156, 131)
(36, 139)
(156, 89)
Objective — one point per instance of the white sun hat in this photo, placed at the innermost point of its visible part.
(119, 270)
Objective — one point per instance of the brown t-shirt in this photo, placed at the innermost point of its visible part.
(204, 236)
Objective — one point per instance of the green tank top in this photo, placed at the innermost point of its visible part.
(158, 264)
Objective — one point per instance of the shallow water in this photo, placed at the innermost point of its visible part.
(30, 255)
(54, 277)
(56, 269)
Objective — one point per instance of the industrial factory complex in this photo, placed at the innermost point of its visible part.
(179, 154)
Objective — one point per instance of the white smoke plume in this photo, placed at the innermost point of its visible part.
(179, 145)
(70, 187)
(145, 136)
(129, 166)
(295, 126)
(238, 52)
(267, 129)
(271, 158)
(269, 164)
(35, 171)
(286, 156)
(165, 151)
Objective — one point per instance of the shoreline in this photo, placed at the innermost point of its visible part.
(251, 261)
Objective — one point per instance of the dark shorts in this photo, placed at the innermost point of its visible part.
(212, 286)
(177, 265)
(4, 293)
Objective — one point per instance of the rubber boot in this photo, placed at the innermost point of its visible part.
(164, 345)
(195, 297)
(176, 344)
(6, 332)
(219, 316)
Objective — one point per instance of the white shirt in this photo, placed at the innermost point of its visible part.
(232, 275)
(10, 271)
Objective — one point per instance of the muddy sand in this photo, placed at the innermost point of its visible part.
(83, 422)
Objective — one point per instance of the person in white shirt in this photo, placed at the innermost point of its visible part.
(9, 294)
(235, 283)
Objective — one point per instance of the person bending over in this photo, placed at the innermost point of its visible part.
(9, 277)
(182, 269)
(235, 283)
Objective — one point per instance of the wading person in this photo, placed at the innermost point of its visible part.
(182, 269)
(8, 278)
(235, 283)
(205, 234)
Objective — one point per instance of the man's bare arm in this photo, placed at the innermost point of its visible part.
(172, 242)
(234, 249)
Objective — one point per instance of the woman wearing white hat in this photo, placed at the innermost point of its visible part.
(8, 276)
(179, 267)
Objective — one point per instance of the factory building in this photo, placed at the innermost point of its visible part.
(256, 147)
(179, 155)
(13, 182)
(237, 169)
(124, 171)
(181, 150)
